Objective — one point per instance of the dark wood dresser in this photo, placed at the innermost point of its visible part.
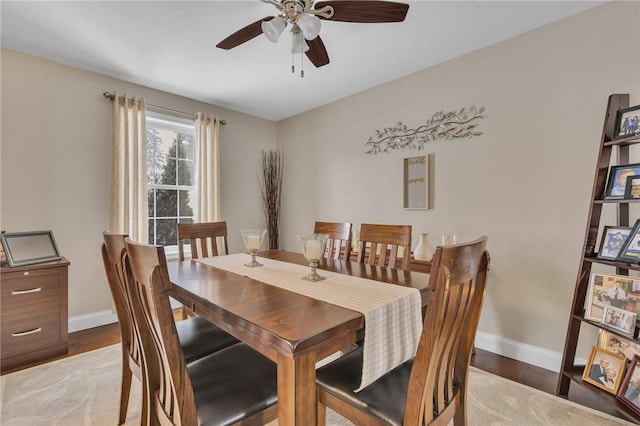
(34, 315)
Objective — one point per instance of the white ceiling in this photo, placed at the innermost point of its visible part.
(170, 46)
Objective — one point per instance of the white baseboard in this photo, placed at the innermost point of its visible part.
(522, 352)
(83, 322)
(96, 319)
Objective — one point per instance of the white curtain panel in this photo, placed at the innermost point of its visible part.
(129, 213)
(208, 168)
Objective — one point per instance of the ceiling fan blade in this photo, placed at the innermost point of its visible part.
(243, 35)
(317, 53)
(365, 11)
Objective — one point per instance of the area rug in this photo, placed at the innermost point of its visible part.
(84, 390)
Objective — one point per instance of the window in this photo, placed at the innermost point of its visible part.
(170, 176)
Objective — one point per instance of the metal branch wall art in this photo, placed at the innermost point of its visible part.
(450, 125)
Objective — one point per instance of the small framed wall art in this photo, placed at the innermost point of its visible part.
(416, 182)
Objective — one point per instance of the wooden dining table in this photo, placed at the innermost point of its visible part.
(293, 330)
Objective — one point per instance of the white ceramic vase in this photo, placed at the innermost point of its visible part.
(423, 250)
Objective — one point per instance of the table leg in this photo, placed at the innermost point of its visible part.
(296, 390)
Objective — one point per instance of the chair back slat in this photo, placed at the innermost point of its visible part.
(339, 242)
(440, 370)
(379, 245)
(170, 392)
(205, 239)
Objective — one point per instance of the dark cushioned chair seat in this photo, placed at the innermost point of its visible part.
(384, 399)
(232, 384)
(198, 337)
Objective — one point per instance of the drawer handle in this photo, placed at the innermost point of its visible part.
(25, 333)
(32, 290)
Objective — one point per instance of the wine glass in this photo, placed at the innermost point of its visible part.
(448, 239)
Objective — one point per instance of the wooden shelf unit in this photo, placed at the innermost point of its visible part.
(614, 152)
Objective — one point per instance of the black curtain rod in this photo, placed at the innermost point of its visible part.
(112, 96)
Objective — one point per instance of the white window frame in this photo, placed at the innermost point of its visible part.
(179, 125)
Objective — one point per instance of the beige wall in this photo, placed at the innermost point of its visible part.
(56, 164)
(525, 183)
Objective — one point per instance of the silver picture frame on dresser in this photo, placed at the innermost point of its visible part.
(25, 248)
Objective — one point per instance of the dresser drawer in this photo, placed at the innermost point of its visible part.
(36, 332)
(30, 287)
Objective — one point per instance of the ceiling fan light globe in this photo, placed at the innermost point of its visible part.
(310, 25)
(273, 28)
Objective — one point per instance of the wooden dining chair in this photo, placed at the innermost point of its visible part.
(339, 242)
(205, 239)
(430, 389)
(198, 337)
(379, 245)
(236, 385)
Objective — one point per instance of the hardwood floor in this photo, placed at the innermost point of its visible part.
(527, 374)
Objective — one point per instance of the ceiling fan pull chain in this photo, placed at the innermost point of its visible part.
(293, 55)
(302, 65)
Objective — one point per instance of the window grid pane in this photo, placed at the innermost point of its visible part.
(171, 191)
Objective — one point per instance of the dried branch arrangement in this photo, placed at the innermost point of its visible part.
(272, 163)
(450, 125)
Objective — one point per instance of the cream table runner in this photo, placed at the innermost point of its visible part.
(393, 319)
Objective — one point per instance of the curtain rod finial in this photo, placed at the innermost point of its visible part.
(109, 96)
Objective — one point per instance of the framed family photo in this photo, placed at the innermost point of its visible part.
(604, 369)
(619, 319)
(630, 251)
(613, 238)
(619, 291)
(26, 248)
(629, 393)
(627, 122)
(632, 190)
(617, 344)
(617, 180)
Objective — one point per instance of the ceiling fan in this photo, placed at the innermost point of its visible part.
(305, 17)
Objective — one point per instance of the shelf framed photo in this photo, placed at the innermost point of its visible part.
(627, 122)
(630, 251)
(629, 393)
(619, 345)
(619, 319)
(617, 180)
(619, 291)
(26, 248)
(604, 369)
(632, 190)
(612, 240)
